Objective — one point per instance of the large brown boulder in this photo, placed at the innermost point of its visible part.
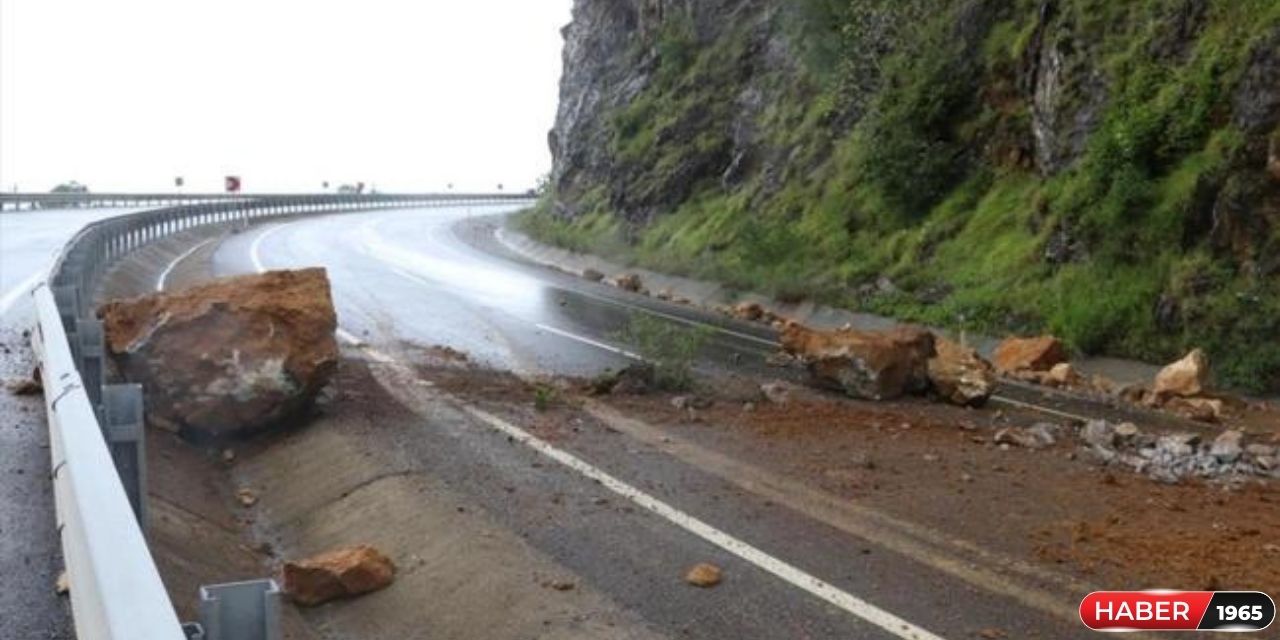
(231, 357)
(873, 365)
(1186, 377)
(959, 375)
(1029, 354)
(338, 573)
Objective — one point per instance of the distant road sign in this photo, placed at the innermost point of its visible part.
(178, 181)
(233, 184)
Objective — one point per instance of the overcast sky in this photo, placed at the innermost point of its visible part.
(405, 95)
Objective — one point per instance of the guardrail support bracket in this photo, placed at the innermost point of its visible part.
(241, 610)
(122, 426)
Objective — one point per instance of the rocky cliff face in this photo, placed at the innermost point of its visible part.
(997, 161)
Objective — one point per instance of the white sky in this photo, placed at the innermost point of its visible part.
(404, 95)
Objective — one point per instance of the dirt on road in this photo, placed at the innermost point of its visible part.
(942, 467)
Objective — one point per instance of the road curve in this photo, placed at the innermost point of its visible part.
(429, 277)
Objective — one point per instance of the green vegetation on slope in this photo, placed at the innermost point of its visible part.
(932, 186)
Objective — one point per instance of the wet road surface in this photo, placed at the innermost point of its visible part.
(30, 557)
(430, 277)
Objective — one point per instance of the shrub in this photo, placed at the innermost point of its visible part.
(669, 347)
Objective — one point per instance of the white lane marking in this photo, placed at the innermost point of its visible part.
(589, 341)
(796, 577)
(501, 237)
(164, 275)
(255, 248)
(13, 295)
(1042, 409)
(674, 318)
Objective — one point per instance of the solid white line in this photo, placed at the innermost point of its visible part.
(11, 296)
(589, 341)
(789, 573)
(254, 248)
(1042, 409)
(501, 236)
(164, 275)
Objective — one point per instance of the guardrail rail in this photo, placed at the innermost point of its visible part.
(96, 429)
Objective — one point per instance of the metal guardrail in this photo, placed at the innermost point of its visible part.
(96, 430)
(35, 201)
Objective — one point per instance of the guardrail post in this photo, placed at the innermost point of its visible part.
(241, 610)
(123, 428)
(90, 355)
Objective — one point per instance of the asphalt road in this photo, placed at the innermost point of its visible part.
(435, 277)
(30, 557)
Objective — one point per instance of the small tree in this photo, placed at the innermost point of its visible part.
(671, 349)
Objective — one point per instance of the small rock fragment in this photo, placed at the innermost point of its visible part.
(1098, 433)
(628, 282)
(1186, 377)
(1226, 447)
(776, 392)
(338, 573)
(959, 375)
(228, 456)
(63, 585)
(1062, 375)
(1033, 354)
(1126, 431)
(26, 386)
(247, 497)
(592, 275)
(1037, 436)
(703, 575)
(1199, 409)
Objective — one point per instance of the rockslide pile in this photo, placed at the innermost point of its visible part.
(1174, 457)
(883, 365)
(231, 357)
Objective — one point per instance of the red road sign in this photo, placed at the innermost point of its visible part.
(233, 184)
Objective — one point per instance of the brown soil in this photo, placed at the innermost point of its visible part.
(937, 465)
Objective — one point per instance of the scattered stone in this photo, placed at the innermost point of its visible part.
(872, 365)
(1199, 409)
(62, 586)
(592, 275)
(1038, 436)
(228, 456)
(689, 403)
(748, 407)
(628, 282)
(1227, 446)
(776, 392)
(338, 573)
(1062, 375)
(664, 295)
(232, 357)
(1030, 354)
(247, 497)
(1186, 378)
(703, 575)
(1261, 450)
(1098, 433)
(634, 379)
(26, 387)
(1133, 393)
(959, 375)
(563, 585)
(1126, 431)
(749, 311)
